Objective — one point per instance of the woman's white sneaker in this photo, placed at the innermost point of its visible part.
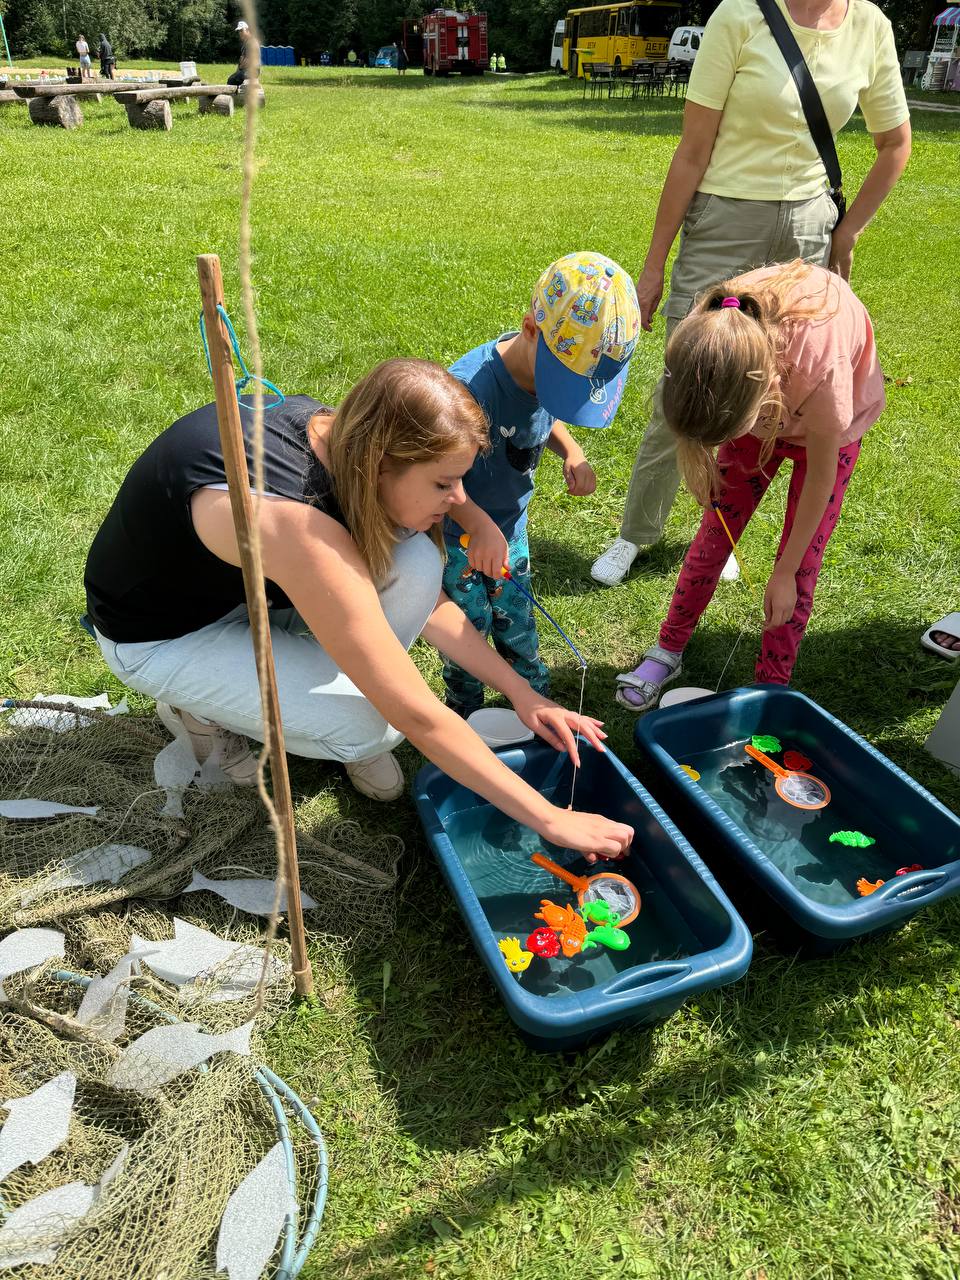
(231, 750)
(614, 565)
(380, 777)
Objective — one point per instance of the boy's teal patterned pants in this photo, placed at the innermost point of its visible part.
(496, 609)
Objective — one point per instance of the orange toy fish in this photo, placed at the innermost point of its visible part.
(567, 923)
(865, 886)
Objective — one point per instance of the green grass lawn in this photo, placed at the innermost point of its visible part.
(802, 1124)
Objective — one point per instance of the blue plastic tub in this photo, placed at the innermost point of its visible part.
(687, 939)
(779, 863)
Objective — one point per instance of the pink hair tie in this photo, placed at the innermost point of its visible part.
(731, 302)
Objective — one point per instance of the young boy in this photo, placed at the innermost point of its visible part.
(568, 362)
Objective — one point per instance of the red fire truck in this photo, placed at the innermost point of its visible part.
(454, 41)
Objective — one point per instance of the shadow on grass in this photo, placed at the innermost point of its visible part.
(561, 570)
(471, 1079)
(654, 114)
(347, 80)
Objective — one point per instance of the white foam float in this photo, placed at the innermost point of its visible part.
(253, 896)
(163, 1053)
(25, 949)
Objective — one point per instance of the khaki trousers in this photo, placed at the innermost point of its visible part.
(721, 237)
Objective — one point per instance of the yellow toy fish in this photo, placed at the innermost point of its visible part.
(517, 959)
(689, 770)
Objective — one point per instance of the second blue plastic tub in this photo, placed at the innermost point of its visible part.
(790, 870)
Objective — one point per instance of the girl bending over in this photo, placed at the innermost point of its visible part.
(776, 364)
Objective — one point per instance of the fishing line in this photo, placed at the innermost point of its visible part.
(581, 660)
(747, 581)
(576, 767)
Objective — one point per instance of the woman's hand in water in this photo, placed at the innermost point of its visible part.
(589, 833)
(557, 725)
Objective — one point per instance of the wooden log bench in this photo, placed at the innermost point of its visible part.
(150, 108)
(89, 89)
(59, 104)
(8, 98)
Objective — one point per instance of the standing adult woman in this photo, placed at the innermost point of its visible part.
(352, 577)
(747, 185)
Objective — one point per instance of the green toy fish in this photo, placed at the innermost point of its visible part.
(600, 912)
(766, 742)
(852, 839)
(616, 939)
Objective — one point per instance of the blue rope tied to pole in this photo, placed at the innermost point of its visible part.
(248, 377)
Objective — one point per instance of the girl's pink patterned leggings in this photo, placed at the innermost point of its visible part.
(743, 484)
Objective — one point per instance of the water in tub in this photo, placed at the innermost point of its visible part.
(798, 841)
(494, 852)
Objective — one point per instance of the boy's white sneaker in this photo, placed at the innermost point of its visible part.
(731, 570)
(380, 777)
(614, 565)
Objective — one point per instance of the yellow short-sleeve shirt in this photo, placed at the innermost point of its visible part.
(763, 149)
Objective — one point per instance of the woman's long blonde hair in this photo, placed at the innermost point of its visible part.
(722, 367)
(403, 412)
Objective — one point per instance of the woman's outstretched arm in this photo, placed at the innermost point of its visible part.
(314, 560)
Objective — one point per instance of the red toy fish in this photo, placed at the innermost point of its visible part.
(796, 761)
(906, 870)
(543, 942)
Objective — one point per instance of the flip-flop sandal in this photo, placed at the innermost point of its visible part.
(950, 625)
(648, 690)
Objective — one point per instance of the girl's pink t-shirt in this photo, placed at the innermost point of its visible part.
(832, 383)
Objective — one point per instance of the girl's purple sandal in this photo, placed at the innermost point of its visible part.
(640, 689)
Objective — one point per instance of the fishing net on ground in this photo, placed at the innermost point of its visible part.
(139, 818)
(144, 1136)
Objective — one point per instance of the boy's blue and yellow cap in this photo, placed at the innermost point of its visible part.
(585, 307)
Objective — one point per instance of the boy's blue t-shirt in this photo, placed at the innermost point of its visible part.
(501, 483)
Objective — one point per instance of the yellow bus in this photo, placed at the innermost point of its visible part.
(618, 33)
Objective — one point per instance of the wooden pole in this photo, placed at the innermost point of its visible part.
(241, 501)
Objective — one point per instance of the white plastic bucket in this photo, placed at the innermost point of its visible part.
(687, 694)
(499, 726)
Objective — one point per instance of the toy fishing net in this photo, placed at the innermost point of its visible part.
(617, 893)
(140, 1007)
(803, 791)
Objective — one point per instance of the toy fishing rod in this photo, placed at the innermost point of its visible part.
(505, 573)
(733, 546)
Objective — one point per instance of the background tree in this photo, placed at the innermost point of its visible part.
(203, 29)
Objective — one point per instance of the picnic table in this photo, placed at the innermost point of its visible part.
(58, 104)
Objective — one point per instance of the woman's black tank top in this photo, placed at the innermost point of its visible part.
(148, 575)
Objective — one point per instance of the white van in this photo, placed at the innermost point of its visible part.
(556, 50)
(684, 44)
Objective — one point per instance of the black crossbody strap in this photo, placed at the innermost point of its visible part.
(817, 122)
